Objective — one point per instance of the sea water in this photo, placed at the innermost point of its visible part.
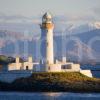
(48, 96)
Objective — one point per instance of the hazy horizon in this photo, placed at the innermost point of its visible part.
(73, 10)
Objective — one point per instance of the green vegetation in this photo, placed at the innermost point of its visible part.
(3, 59)
(6, 60)
(46, 82)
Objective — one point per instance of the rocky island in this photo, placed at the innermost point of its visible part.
(53, 82)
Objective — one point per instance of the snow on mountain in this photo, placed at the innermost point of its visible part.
(72, 28)
(96, 25)
(84, 27)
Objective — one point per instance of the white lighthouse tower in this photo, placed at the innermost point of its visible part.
(47, 27)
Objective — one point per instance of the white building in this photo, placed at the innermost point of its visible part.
(28, 65)
(47, 63)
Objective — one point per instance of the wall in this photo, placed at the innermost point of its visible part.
(54, 68)
(29, 64)
(86, 72)
(73, 68)
(14, 66)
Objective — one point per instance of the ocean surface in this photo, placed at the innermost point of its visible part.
(48, 96)
(94, 69)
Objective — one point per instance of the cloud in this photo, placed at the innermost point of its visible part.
(66, 18)
(60, 18)
(17, 19)
(74, 18)
(96, 10)
(22, 23)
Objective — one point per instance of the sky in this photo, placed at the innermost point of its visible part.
(57, 7)
(71, 11)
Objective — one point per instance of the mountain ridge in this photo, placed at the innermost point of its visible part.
(75, 40)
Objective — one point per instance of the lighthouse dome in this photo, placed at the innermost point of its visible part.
(47, 15)
(47, 18)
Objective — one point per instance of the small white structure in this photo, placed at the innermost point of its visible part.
(21, 66)
(60, 67)
(86, 72)
(15, 66)
(28, 65)
(64, 59)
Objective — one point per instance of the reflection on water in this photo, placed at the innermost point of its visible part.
(49, 96)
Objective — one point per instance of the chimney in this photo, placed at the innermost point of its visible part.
(64, 59)
(30, 60)
(17, 59)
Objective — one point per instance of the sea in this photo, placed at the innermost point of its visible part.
(48, 96)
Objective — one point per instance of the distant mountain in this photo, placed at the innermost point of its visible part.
(85, 27)
(7, 37)
(82, 28)
(74, 46)
(60, 27)
(75, 28)
(29, 28)
(89, 43)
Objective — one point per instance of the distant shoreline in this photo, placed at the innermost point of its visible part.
(54, 82)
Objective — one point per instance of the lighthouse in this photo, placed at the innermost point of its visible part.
(47, 27)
